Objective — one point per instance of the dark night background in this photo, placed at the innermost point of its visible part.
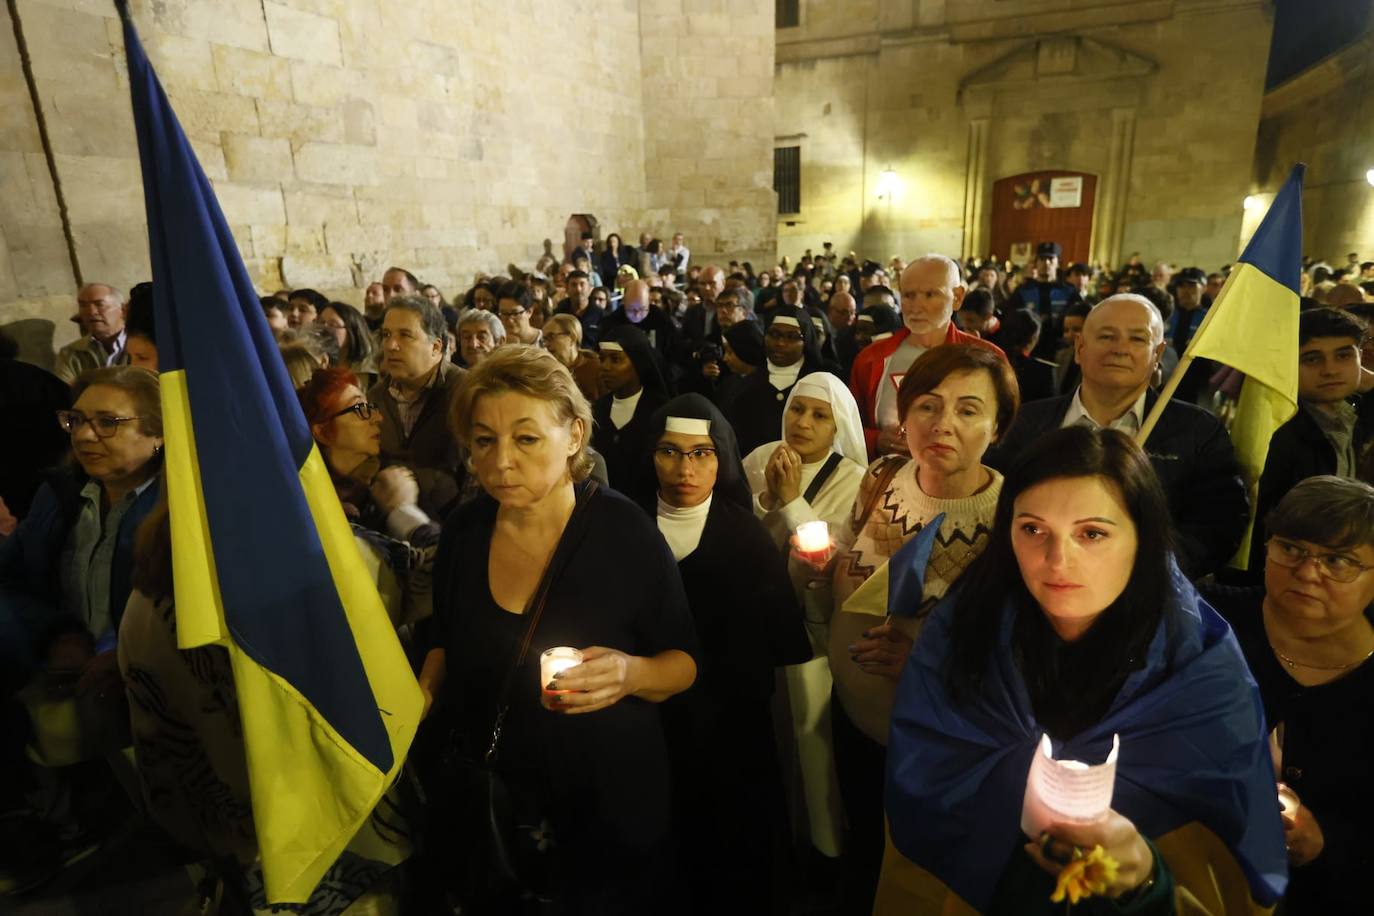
(1305, 31)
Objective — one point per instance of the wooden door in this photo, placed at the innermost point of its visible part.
(578, 223)
(1032, 208)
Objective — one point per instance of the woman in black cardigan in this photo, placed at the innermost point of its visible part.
(1308, 636)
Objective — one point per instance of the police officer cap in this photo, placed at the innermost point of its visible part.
(1191, 275)
(1048, 250)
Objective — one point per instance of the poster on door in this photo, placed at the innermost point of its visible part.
(1066, 192)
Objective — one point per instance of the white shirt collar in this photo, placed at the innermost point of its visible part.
(1129, 422)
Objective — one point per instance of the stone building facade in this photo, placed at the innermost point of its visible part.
(937, 125)
(341, 136)
(1324, 117)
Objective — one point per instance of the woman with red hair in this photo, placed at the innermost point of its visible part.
(398, 538)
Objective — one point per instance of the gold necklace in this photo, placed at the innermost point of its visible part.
(1296, 664)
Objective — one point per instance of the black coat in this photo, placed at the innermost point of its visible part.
(1192, 454)
(731, 813)
(624, 449)
(1034, 375)
(29, 399)
(754, 409)
(1298, 450)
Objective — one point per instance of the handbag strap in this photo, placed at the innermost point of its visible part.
(534, 610)
(822, 476)
(884, 478)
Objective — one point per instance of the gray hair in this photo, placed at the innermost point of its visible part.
(743, 298)
(114, 293)
(482, 316)
(951, 266)
(431, 319)
(1336, 512)
(1156, 319)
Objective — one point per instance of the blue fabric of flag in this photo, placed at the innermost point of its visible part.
(906, 584)
(279, 600)
(1280, 234)
(1193, 749)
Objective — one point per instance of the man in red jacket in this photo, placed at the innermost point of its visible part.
(931, 289)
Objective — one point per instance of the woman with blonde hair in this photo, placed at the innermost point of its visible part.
(521, 569)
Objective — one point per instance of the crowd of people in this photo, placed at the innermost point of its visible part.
(618, 452)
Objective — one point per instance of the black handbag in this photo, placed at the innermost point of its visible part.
(496, 849)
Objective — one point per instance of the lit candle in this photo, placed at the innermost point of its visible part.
(559, 658)
(813, 540)
(1288, 801)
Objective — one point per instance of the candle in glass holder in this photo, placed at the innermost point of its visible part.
(813, 540)
(559, 658)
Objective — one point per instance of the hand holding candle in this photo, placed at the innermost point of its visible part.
(553, 662)
(1302, 835)
(812, 543)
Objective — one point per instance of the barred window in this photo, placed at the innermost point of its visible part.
(787, 178)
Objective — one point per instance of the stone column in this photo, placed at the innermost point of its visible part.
(1109, 222)
(975, 190)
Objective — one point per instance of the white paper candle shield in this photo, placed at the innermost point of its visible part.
(1066, 791)
(813, 537)
(559, 658)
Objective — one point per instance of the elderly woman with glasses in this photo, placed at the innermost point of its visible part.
(64, 573)
(399, 539)
(1308, 636)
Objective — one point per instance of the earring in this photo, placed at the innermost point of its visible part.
(901, 430)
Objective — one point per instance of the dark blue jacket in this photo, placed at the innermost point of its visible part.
(30, 573)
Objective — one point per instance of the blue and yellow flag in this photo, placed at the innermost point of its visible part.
(264, 561)
(1253, 328)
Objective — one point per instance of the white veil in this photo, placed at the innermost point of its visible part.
(849, 432)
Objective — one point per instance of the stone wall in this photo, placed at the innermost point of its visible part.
(1325, 118)
(341, 136)
(952, 95)
(708, 124)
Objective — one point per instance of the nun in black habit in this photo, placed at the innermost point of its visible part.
(635, 388)
(730, 811)
(792, 348)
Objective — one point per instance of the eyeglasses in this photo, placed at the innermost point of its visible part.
(784, 337)
(666, 454)
(1337, 567)
(104, 425)
(515, 314)
(363, 409)
(333, 327)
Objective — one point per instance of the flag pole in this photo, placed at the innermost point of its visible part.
(1176, 379)
(1164, 396)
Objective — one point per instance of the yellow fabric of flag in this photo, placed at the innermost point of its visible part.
(1253, 328)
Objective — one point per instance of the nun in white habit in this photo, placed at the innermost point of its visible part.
(812, 474)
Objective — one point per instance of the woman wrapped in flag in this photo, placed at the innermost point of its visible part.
(1075, 623)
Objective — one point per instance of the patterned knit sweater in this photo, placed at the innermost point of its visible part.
(900, 511)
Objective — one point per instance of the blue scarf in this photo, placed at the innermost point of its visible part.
(1193, 748)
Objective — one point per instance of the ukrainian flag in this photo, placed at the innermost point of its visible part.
(264, 561)
(1253, 328)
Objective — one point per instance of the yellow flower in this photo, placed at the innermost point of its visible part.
(1087, 874)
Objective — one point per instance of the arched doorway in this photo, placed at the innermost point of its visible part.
(578, 223)
(1049, 206)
